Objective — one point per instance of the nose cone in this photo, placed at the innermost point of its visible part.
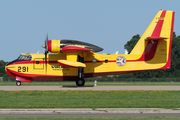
(9, 68)
(6, 68)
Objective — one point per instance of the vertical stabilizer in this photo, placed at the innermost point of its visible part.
(156, 40)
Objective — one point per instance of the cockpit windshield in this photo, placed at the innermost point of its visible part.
(19, 57)
(24, 57)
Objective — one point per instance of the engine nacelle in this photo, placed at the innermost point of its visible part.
(55, 46)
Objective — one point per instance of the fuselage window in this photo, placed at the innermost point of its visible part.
(106, 61)
(94, 60)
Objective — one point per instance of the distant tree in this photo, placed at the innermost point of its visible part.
(6, 77)
(130, 44)
(2, 68)
(175, 56)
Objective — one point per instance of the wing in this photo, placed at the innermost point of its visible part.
(72, 52)
(72, 49)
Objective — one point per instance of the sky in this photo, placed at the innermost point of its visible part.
(109, 24)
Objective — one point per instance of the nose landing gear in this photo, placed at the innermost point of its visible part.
(18, 83)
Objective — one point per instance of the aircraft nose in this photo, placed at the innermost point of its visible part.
(9, 68)
(11, 62)
(10, 65)
(6, 68)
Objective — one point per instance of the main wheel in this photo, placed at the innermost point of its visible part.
(18, 83)
(80, 82)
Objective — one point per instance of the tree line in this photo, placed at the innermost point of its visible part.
(3, 73)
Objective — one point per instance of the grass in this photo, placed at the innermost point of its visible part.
(90, 99)
(99, 83)
(88, 118)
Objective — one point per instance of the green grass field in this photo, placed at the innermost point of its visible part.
(72, 83)
(87, 118)
(90, 99)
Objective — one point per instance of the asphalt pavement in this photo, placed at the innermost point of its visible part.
(89, 112)
(18, 88)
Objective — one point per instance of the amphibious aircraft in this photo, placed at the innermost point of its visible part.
(71, 60)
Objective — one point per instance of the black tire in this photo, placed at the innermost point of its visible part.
(18, 83)
(80, 82)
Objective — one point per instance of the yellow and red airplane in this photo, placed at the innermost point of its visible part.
(72, 60)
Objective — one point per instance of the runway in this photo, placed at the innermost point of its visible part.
(89, 112)
(20, 88)
(94, 115)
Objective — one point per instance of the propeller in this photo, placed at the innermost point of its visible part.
(46, 51)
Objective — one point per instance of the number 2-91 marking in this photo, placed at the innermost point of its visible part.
(22, 69)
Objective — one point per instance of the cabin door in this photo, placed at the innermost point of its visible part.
(38, 63)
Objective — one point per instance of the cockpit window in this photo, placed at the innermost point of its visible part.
(24, 57)
(29, 57)
(19, 58)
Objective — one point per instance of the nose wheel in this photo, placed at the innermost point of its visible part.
(18, 83)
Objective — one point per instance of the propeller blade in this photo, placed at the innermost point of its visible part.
(46, 51)
(46, 42)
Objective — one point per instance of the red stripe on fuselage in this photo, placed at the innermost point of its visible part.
(33, 62)
(22, 62)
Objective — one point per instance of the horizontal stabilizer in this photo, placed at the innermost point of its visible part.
(75, 48)
(155, 38)
(70, 64)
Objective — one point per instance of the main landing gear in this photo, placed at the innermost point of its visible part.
(18, 83)
(80, 81)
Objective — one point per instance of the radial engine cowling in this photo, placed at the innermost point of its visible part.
(55, 46)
